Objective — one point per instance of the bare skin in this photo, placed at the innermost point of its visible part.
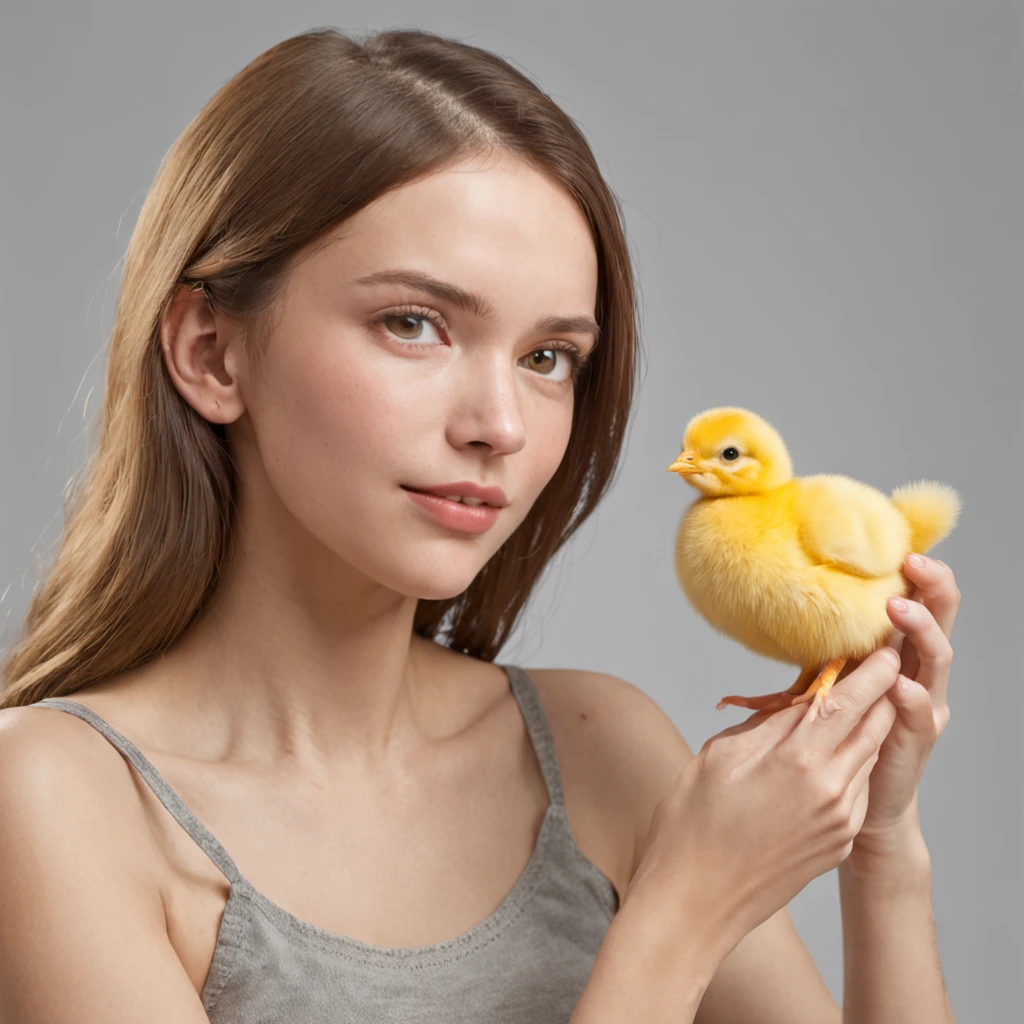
(396, 861)
(346, 765)
(365, 780)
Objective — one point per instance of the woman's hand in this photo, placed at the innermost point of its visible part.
(921, 636)
(763, 808)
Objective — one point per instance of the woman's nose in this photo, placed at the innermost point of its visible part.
(487, 407)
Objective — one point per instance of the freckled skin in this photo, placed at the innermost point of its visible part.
(342, 410)
(341, 414)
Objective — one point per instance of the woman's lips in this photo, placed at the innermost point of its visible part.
(453, 514)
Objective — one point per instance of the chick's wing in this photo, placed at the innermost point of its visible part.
(848, 524)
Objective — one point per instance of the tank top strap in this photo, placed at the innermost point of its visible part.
(537, 726)
(156, 782)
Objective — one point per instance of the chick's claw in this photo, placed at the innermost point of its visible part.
(767, 702)
(771, 702)
(796, 694)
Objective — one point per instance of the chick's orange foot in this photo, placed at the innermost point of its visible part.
(799, 692)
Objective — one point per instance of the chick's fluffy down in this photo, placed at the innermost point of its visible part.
(800, 574)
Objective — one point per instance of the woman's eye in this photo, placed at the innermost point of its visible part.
(408, 326)
(572, 359)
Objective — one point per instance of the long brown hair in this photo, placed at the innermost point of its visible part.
(304, 136)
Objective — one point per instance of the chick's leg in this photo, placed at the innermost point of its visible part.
(821, 685)
(811, 685)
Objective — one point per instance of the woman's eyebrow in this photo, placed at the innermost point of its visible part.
(472, 302)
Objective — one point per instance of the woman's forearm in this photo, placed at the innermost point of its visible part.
(650, 969)
(892, 973)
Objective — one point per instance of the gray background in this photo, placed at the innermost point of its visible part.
(824, 203)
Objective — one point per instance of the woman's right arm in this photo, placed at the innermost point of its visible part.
(650, 969)
(765, 807)
(83, 937)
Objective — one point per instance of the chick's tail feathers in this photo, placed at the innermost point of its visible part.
(931, 508)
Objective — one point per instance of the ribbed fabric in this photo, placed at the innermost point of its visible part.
(525, 964)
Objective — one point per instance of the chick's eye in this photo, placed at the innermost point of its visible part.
(731, 454)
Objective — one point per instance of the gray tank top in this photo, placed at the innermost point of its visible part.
(528, 961)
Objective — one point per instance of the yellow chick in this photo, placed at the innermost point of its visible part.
(798, 569)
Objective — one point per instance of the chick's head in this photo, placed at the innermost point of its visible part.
(730, 451)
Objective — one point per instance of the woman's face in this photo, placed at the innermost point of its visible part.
(366, 387)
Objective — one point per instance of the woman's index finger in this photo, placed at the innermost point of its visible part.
(848, 700)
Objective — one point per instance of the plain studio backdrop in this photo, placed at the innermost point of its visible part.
(824, 204)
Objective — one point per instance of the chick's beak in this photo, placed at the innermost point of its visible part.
(686, 463)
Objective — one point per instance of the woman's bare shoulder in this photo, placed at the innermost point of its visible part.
(29, 730)
(32, 737)
(73, 771)
(75, 840)
(618, 752)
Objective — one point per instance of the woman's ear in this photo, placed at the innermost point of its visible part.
(201, 354)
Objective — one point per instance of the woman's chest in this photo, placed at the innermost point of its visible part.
(387, 882)
(377, 871)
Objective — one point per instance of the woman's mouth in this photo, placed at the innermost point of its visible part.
(455, 514)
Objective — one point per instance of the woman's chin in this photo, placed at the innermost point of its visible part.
(438, 583)
(436, 591)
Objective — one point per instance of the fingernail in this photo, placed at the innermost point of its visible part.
(899, 604)
(891, 656)
(917, 561)
(901, 681)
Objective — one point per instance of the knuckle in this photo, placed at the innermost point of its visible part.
(841, 830)
(839, 701)
(717, 756)
(804, 762)
(712, 747)
(887, 660)
(831, 788)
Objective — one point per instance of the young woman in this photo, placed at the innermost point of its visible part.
(290, 781)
